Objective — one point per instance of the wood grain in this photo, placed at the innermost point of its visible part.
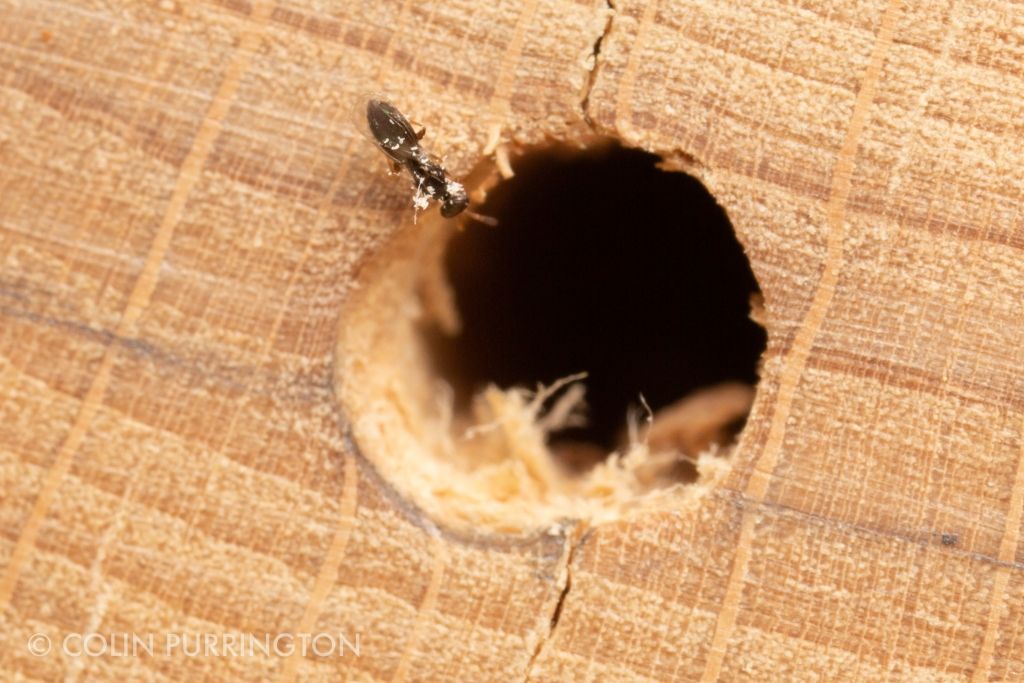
(185, 208)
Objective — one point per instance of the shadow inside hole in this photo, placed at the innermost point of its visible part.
(600, 263)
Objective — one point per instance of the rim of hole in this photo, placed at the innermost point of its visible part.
(389, 376)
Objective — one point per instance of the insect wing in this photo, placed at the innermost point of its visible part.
(391, 130)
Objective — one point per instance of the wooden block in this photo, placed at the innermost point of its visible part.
(186, 211)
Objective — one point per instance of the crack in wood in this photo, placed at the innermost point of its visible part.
(575, 538)
(596, 55)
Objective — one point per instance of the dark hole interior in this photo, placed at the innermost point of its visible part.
(602, 263)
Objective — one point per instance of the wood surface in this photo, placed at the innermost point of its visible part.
(183, 211)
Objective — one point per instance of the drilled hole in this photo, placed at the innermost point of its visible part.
(600, 263)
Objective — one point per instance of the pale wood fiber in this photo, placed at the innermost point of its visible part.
(184, 206)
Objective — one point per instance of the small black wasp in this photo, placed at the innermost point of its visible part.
(401, 143)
